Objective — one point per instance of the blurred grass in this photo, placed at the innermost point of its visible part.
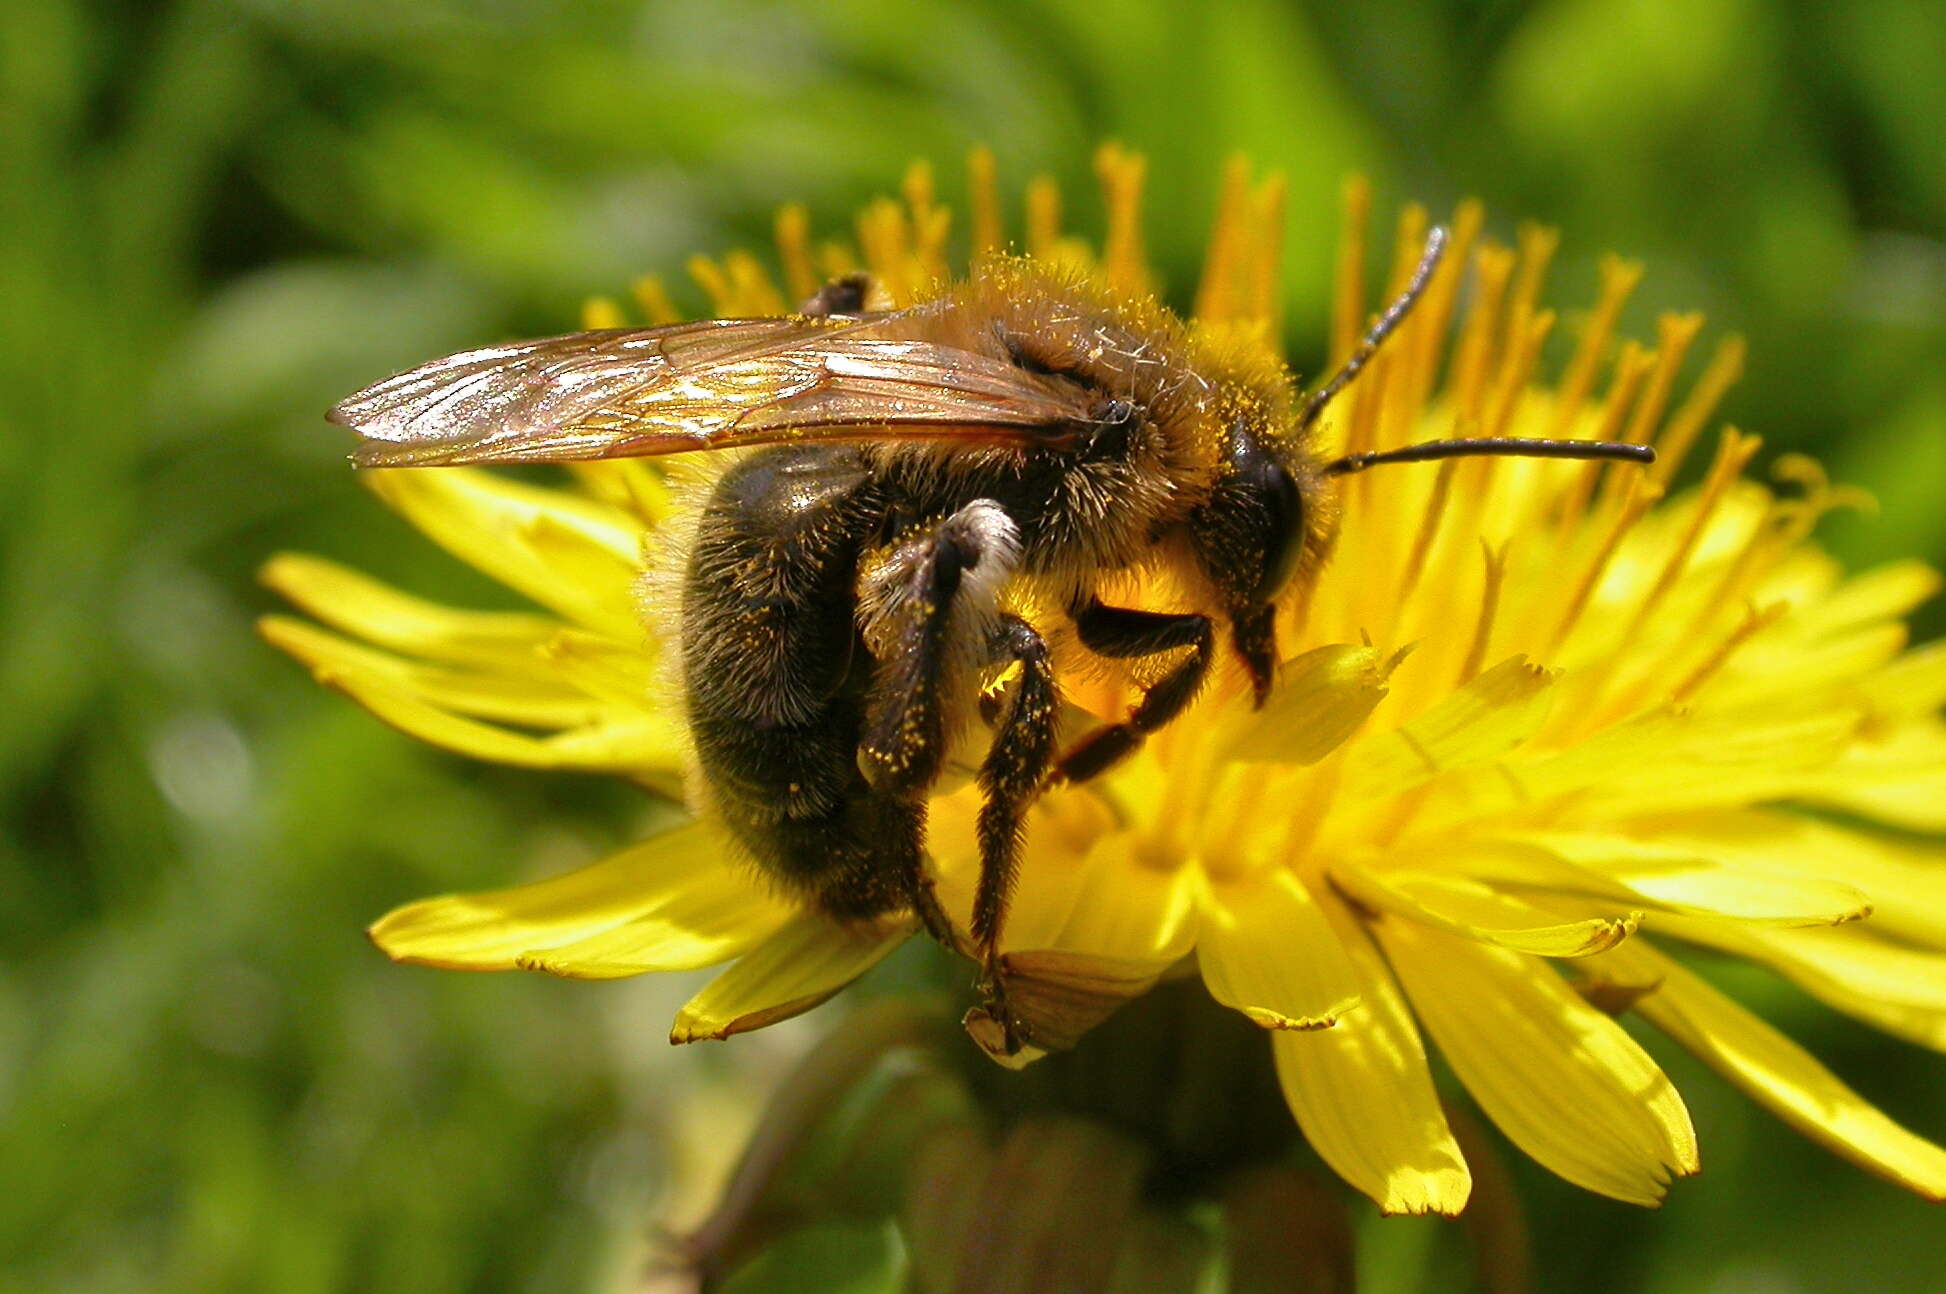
(218, 217)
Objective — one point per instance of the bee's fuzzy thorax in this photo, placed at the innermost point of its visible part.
(1127, 345)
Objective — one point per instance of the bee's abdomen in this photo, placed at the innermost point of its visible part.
(774, 672)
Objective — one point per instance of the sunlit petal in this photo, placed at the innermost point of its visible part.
(681, 901)
(641, 745)
(526, 697)
(1363, 1094)
(1489, 717)
(358, 604)
(570, 554)
(1773, 1070)
(1472, 911)
(1320, 699)
(1900, 990)
(802, 964)
(1667, 880)
(1267, 949)
(1562, 1080)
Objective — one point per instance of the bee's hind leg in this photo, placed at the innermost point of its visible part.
(900, 829)
(1011, 776)
(924, 594)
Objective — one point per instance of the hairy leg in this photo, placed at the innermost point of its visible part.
(927, 597)
(1011, 776)
(1125, 633)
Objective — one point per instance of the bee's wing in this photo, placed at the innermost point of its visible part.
(711, 385)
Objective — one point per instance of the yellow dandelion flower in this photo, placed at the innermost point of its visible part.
(1538, 725)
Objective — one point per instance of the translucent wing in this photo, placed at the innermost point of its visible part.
(710, 385)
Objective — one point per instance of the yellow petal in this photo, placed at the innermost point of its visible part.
(622, 674)
(1561, 1079)
(1320, 699)
(1730, 758)
(1590, 763)
(1267, 950)
(645, 746)
(1774, 1071)
(357, 604)
(1899, 990)
(1785, 671)
(1063, 828)
(1362, 1092)
(1882, 593)
(626, 483)
(1130, 912)
(1666, 760)
(1588, 767)
(524, 696)
(577, 557)
(1910, 798)
(1473, 911)
(1904, 880)
(1674, 880)
(699, 926)
(1668, 884)
(1913, 684)
(678, 888)
(1491, 716)
(802, 964)
(1802, 577)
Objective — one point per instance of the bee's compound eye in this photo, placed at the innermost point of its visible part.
(1250, 534)
(1283, 534)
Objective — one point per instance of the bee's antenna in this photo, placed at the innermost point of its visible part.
(1617, 451)
(1394, 315)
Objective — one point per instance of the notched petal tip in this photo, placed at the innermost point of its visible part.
(1265, 1018)
(545, 963)
(1434, 1195)
(690, 1027)
(1320, 700)
(802, 965)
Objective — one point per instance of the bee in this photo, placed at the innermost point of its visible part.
(894, 486)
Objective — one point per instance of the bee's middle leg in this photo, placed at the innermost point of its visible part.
(1126, 633)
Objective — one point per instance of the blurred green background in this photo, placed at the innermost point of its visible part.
(219, 217)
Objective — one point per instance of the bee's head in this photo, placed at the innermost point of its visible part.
(1256, 532)
(1264, 523)
(1264, 526)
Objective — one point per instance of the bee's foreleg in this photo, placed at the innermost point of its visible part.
(1125, 633)
(1255, 633)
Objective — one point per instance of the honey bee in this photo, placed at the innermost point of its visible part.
(896, 484)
